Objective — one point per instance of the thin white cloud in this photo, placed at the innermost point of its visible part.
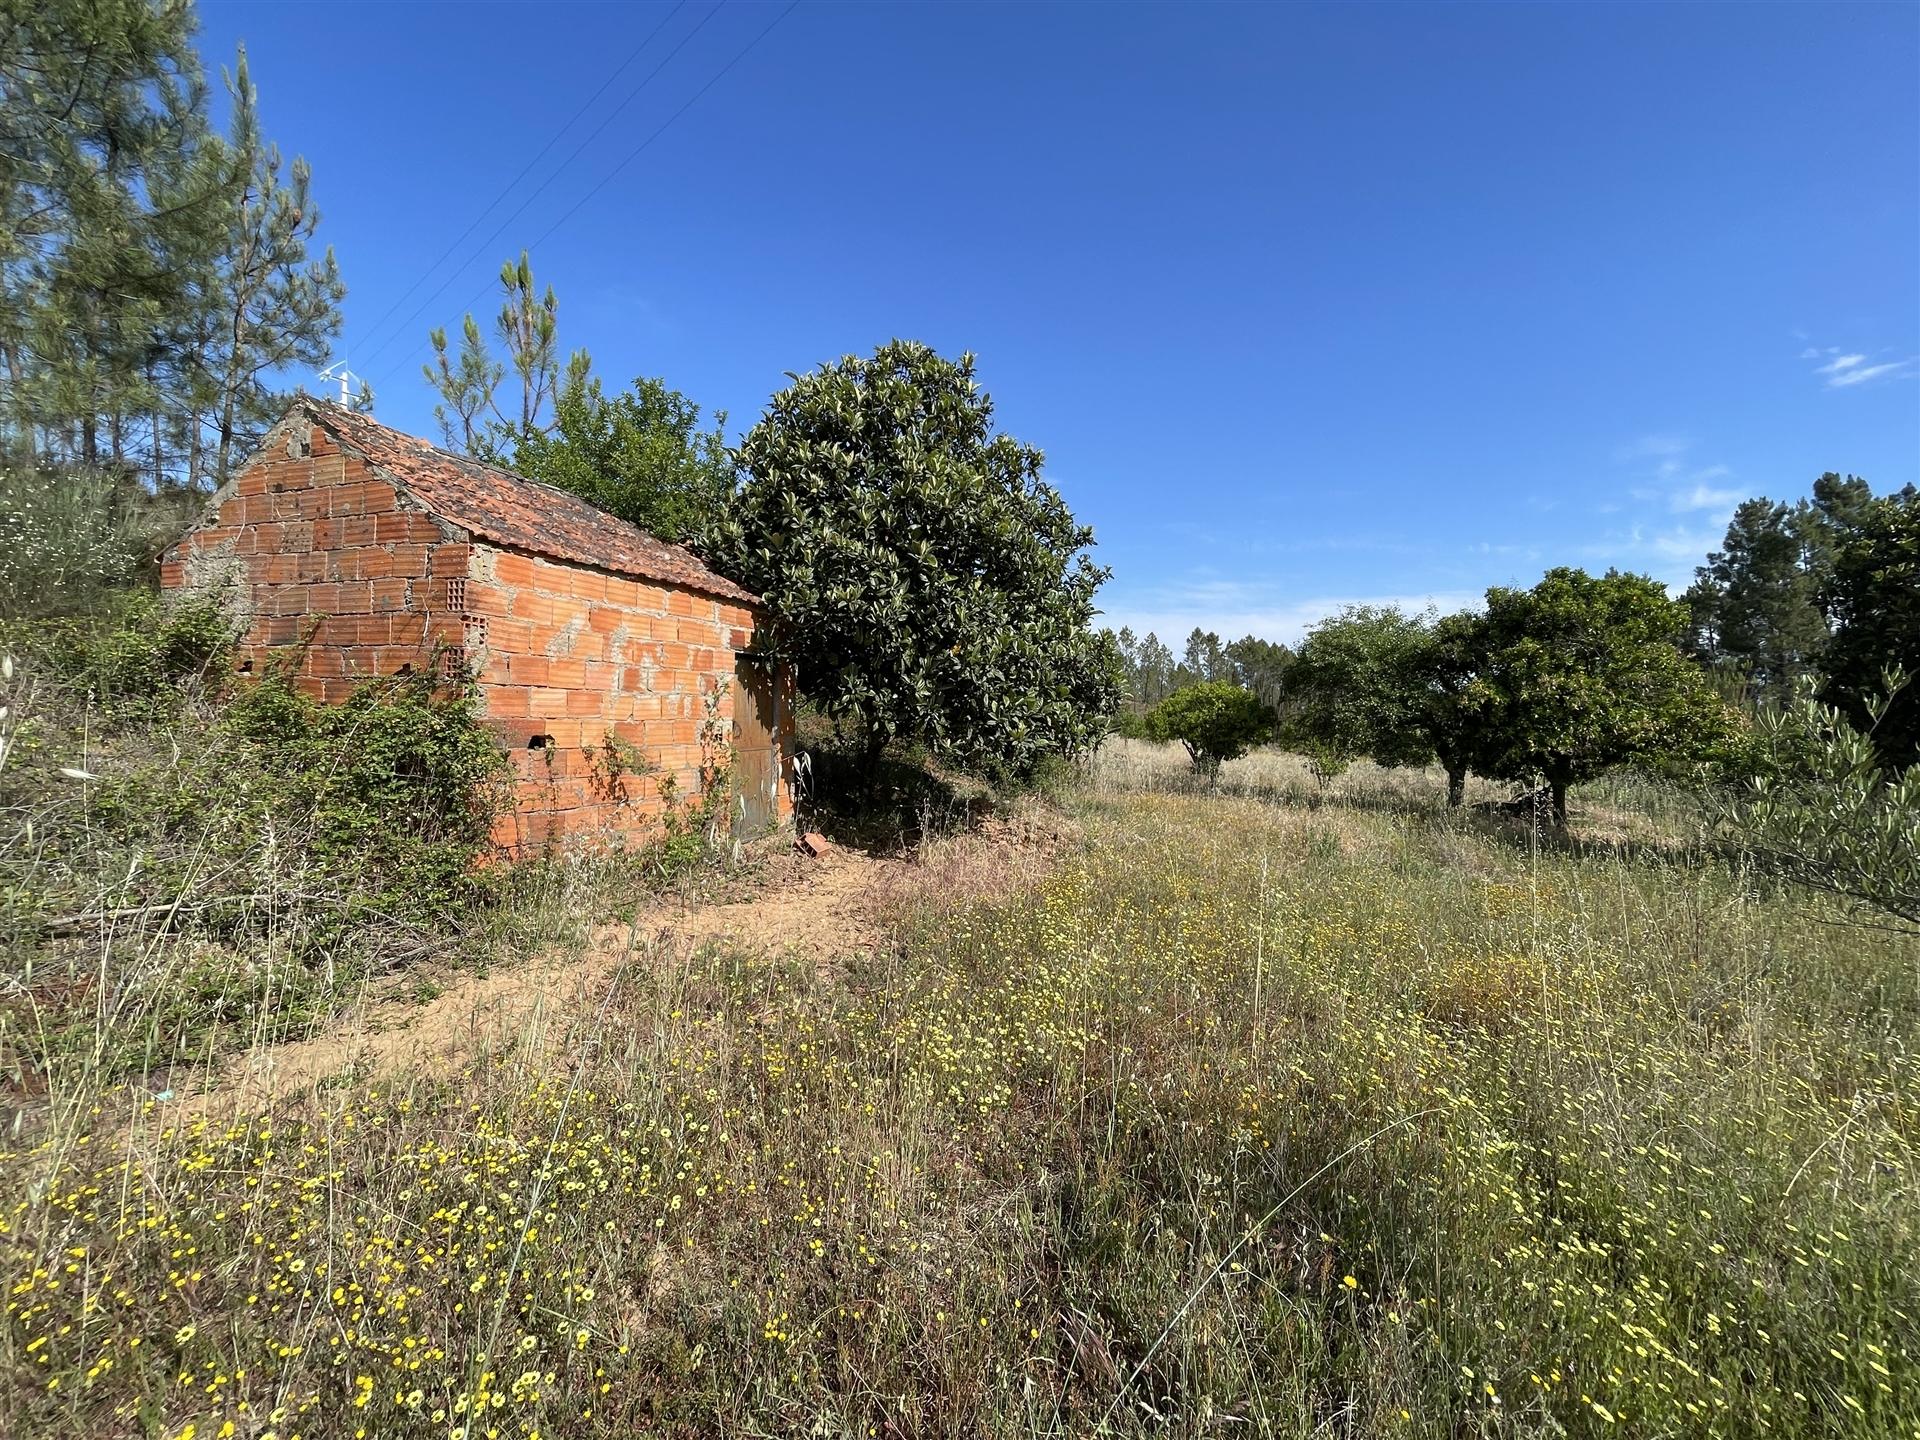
(1843, 371)
(1231, 609)
(1861, 374)
(1653, 447)
(1705, 497)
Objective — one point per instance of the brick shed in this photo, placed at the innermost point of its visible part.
(371, 550)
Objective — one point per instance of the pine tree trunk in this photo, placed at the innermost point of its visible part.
(1456, 786)
(1558, 788)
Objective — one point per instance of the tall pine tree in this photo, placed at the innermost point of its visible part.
(1754, 606)
(153, 275)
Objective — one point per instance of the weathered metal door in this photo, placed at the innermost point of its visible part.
(756, 730)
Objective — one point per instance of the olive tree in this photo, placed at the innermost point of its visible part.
(926, 581)
(1821, 809)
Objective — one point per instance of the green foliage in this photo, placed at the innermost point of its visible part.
(1260, 666)
(926, 580)
(1820, 809)
(1215, 720)
(224, 854)
(400, 783)
(155, 273)
(1873, 593)
(528, 326)
(1354, 688)
(1443, 674)
(1579, 675)
(1754, 607)
(139, 657)
(70, 538)
(268, 308)
(1150, 673)
(640, 455)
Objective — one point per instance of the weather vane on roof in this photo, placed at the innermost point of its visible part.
(363, 401)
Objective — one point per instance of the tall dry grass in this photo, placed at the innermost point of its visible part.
(1248, 1115)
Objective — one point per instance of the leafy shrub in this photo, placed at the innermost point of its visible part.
(1819, 809)
(400, 783)
(190, 863)
(135, 656)
(1215, 720)
(68, 536)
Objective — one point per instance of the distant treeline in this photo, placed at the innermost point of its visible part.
(1559, 683)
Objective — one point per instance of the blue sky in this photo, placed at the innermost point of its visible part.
(1305, 304)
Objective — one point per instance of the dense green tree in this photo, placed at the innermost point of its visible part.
(1579, 675)
(1260, 666)
(640, 455)
(929, 583)
(1353, 689)
(1444, 671)
(1215, 720)
(1828, 519)
(1755, 607)
(1873, 594)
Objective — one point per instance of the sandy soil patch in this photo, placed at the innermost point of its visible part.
(826, 910)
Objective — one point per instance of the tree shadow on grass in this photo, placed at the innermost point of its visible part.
(1600, 831)
(904, 801)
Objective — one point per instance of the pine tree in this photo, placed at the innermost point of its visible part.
(528, 327)
(153, 275)
(106, 185)
(1839, 506)
(1754, 607)
(466, 389)
(267, 307)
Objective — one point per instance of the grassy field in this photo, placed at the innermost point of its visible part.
(1266, 1112)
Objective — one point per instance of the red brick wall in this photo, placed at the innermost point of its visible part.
(568, 656)
(326, 552)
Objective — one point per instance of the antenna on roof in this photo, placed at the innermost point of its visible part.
(339, 371)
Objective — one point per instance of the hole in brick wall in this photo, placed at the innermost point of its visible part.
(246, 667)
(539, 742)
(406, 668)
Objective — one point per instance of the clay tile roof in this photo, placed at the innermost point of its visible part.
(511, 510)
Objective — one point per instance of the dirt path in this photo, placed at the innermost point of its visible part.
(823, 909)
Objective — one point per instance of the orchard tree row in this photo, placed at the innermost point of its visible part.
(1580, 675)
